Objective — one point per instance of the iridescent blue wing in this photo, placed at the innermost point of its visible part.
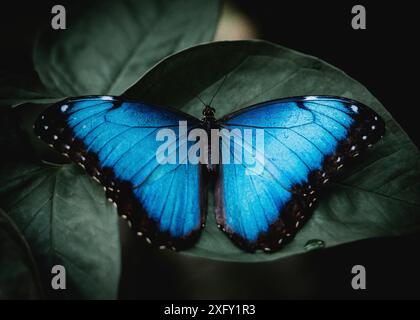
(306, 141)
(115, 141)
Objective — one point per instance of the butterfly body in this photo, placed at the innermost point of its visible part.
(209, 123)
(264, 193)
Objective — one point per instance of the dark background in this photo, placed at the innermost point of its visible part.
(381, 57)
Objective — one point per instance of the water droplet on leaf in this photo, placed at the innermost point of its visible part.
(314, 244)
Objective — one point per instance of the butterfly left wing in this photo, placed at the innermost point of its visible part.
(263, 198)
(115, 141)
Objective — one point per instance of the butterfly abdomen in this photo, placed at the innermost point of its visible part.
(213, 157)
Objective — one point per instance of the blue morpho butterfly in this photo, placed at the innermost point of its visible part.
(307, 140)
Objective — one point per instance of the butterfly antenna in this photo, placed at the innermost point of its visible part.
(218, 89)
(198, 97)
(182, 88)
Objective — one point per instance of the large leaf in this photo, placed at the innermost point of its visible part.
(19, 277)
(378, 196)
(66, 220)
(112, 43)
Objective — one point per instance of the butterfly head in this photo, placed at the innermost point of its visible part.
(208, 112)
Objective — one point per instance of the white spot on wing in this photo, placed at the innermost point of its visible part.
(354, 108)
(64, 107)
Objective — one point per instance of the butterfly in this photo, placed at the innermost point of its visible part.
(259, 204)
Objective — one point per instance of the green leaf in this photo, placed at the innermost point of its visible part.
(17, 90)
(19, 277)
(378, 196)
(112, 43)
(66, 220)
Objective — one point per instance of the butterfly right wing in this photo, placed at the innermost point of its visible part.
(306, 141)
(115, 141)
